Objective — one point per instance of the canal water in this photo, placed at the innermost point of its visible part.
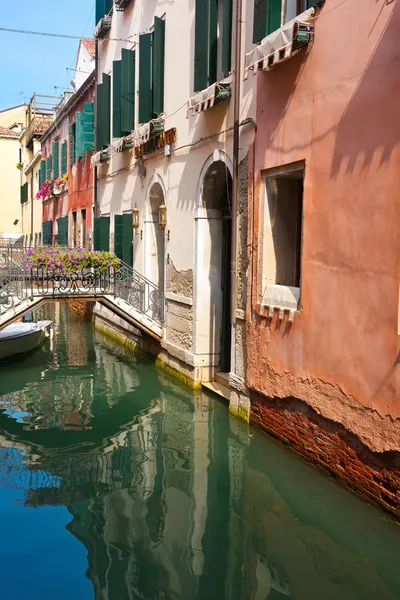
(118, 483)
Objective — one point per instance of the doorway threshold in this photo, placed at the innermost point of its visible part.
(220, 385)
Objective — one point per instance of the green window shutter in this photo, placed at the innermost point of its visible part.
(227, 35)
(49, 167)
(100, 10)
(127, 239)
(26, 192)
(99, 122)
(128, 75)
(62, 228)
(201, 45)
(64, 158)
(158, 65)
(274, 16)
(42, 174)
(47, 233)
(260, 20)
(72, 144)
(117, 98)
(88, 126)
(22, 192)
(118, 219)
(96, 234)
(105, 234)
(108, 4)
(80, 150)
(145, 96)
(106, 109)
(56, 159)
(213, 42)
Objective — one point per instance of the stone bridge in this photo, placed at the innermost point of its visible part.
(123, 290)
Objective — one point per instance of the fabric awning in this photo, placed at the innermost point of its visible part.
(281, 44)
(207, 98)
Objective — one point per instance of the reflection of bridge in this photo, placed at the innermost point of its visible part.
(123, 291)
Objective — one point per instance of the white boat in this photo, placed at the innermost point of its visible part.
(23, 337)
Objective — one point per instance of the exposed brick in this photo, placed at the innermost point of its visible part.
(332, 448)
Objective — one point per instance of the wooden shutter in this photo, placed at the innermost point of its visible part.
(145, 95)
(108, 4)
(274, 16)
(128, 76)
(260, 20)
(201, 45)
(72, 150)
(118, 236)
(56, 159)
(99, 123)
(100, 10)
(42, 173)
(227, 14)
(80, 135)
(117, 102)
(158, 65)
(96, 233)
(88, 126)
(47, 232)
(105, 234)
(22, 194)
(106, 109)
(64, 167)
(213, 42)
(127, 239)
(49, 167)
(62, 228)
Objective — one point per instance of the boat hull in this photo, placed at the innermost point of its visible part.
(25, 343)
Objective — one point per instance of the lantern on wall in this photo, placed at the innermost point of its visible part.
(135, 217)
(162, 216)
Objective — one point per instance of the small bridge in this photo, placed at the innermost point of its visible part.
(124, 291)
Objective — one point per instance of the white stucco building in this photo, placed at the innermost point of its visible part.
(167, 67)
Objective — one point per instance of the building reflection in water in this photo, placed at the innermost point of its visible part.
(169, 495)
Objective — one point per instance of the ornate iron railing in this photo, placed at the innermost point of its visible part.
(19, 282)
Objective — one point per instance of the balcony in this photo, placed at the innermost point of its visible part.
(121, 4)
(40, 115)
(281, 44)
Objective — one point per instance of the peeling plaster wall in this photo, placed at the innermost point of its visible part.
(341, 354)
(179, 324)
(179, 282)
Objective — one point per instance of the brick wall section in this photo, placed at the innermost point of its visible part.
(331, 447)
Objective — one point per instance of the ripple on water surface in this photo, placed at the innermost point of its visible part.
(118, 483)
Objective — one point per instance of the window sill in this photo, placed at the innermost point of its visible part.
(283, 298)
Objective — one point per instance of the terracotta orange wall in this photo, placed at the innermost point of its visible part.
(336, 106)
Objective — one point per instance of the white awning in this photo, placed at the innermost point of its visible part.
(141, 135)
(117, 146)
(208, 97)
(281, 44)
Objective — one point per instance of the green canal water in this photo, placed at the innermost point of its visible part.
(117, 483)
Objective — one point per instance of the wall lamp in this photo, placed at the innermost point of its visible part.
(162, 216)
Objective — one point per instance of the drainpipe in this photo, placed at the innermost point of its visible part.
(31, 244)
(96, 211)
(235, 177)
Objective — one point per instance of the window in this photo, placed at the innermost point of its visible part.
(282, 226)
(270, 15)
(213, 42)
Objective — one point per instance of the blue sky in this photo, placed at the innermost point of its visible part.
(29, 63)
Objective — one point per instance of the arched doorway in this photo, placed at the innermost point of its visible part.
(216, 231)
(155, 255)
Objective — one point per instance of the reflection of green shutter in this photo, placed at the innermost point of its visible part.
(62, 228)
(226, 35)
(128, 70)
(72, 143)
(213, 42)
(145, 104)
(118, 235)
(88, 126)
(80, 135)
(201, 45)
(127, 239)
(56, 159)
(63, 158)
(116, 85)
(158, 65)
(49, 167)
